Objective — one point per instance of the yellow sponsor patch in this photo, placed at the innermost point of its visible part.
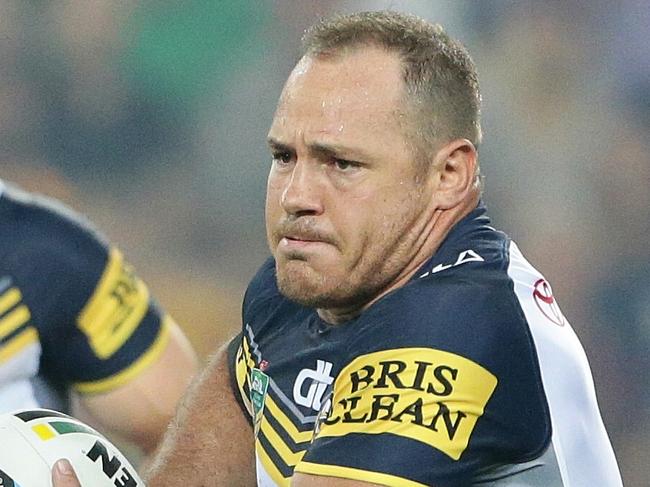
(116, 308)
(427, 395)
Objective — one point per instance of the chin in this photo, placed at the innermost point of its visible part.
(301, 286)
(308, 288)
(300, 283)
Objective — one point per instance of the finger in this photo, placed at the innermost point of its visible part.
(63, 475)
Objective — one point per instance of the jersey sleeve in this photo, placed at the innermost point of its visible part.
(118, 332)
(97, 324)
(417, 406)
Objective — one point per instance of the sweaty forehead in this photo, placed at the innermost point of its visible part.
(362, 88)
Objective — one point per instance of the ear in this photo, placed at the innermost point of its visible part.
(455, 170)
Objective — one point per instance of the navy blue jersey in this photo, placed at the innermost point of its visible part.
(440, 382)
(72, 311)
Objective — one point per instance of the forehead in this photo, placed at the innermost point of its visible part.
(357, 92)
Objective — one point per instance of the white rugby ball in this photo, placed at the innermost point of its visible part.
(32, 440)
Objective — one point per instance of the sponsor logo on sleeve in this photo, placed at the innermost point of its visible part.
(427, 395)
(546, 303)
(116, 308)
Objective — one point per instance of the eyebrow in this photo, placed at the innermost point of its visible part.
(329, 150)
(277, 145)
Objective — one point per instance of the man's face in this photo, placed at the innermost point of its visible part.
(347, 207)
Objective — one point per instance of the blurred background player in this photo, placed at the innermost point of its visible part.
(79, 331)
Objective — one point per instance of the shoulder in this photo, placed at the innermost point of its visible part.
(43, 228)
(464, 316)
(461, 310)
(462, 301)
(50, 253)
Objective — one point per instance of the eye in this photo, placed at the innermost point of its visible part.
(282, 158)
(344, 164)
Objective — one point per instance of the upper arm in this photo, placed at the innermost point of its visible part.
(210, 440)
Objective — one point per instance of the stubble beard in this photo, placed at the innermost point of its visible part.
(375, 270)
(367, 279)
(317, 290)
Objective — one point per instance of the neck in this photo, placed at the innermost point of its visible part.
(434, 234)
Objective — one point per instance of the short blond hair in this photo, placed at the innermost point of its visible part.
(440, 79)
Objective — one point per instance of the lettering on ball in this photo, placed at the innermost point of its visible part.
(112, 467)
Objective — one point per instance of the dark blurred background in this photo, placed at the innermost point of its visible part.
(150, 117)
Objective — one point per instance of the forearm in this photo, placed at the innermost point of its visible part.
(209, 443)
(140, 409)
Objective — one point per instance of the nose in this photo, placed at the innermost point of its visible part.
(301, 194)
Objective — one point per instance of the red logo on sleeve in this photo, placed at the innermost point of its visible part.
(546, 302)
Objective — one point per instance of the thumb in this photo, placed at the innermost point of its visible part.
(63, 475)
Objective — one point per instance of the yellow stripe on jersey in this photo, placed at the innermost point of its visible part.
(247, 354)
(124, 376)
(355, 474)
(116, 308)
(270, 467)
(293, 432)
(9, 299)
(241, 375)
(44, 431)
(14, 320)
(431, 396)
(11, 347)
(288, 457)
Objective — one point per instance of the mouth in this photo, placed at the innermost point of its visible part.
(292, 242)
(298, 242)
(300, 238)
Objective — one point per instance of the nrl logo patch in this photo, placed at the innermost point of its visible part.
(259, 385)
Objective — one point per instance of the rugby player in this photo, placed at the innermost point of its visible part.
(394, 337)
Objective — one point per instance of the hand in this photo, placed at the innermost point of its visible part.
(63, 475)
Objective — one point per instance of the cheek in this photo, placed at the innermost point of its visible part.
(272, 214)
(359, 226)
(390, 220)
(364, 214)
(273, 196)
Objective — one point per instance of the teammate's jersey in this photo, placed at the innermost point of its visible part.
(467, 375)
(72, 313)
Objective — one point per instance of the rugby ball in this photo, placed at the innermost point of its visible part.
(32, 440)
